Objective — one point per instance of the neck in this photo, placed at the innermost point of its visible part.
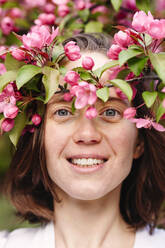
(96, 223)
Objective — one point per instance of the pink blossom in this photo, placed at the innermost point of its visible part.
(160, 5)
(85, 94)
(10, 111)
(156, 29)
(45, 19)
(129, 113)
(16, 13)
(113, 52)
(72, 51)
(39, 37)
(60, 2)
(2, 69)
(7, 125)
(7, 97)
(88, 63)
(91, 113)
(101, 8)
(63, 10)
(35, 3)
(7, 25)
(36, 119)
(49, 8)
(18, 54)
(123, 39)
(148, 123)
(72, 77)
(141, 21)
(80, 4)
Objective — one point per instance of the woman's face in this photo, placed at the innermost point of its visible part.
(108, 140)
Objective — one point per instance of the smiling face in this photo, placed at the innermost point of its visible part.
(88, 159)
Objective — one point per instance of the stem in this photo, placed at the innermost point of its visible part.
(143, 78)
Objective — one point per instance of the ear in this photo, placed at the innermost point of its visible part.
(139, 149)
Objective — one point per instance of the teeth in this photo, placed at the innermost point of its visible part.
(86, 162)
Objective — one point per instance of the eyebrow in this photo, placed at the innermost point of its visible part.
(59, 99)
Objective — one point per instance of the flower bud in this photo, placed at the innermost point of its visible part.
(114, 51)
(72, 51)
(68, 97)
(122, 39)
(7, 25)
(72, 77)
(36, 119)
(7, 125)
(88, 63)
(63, 10)
(18, 54)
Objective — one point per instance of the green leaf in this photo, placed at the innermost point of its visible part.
(6, 78)
(93, 27)
(98, 72)
(125, 55)
(158, 62)
(11, 63)
(160, 112)
(136, 65)
(19, 124)
(57, 51)
(143, 5)
(116, 4)
(124, 86)
(103, 94)
(50, 80)
(26, 73)
(149, 98)
(84, 14)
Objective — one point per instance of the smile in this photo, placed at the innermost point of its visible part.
(86, 162)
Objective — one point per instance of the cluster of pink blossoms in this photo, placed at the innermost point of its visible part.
(84, 92)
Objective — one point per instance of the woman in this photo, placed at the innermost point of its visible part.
(96, 182)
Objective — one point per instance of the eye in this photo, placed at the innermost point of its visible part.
(62, 112)
(111, 114)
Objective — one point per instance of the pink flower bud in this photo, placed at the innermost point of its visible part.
(18, 54)
(101, 8)
(10, 111)
(7, 125)
(72, 51)
(16, 13)
(91, 113)
(114, 51)
(49, 8)
(3, 1)
(129, 113)
(123, 39)
(7, 25)
(63, 10)
(80, 4)
(36, 119)
(87, 63)
(47, 19)
(72, 77)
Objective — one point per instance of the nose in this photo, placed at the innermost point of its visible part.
(86, 132)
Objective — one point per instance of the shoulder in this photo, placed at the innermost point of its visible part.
(36, 237)
(144, 239)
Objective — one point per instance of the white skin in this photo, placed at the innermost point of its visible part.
(89, 216)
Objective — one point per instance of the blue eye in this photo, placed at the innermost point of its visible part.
(62, 112)
(111, 112)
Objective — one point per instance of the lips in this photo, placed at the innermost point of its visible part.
(87, 160)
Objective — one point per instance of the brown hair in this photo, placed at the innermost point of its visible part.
(143, 191)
